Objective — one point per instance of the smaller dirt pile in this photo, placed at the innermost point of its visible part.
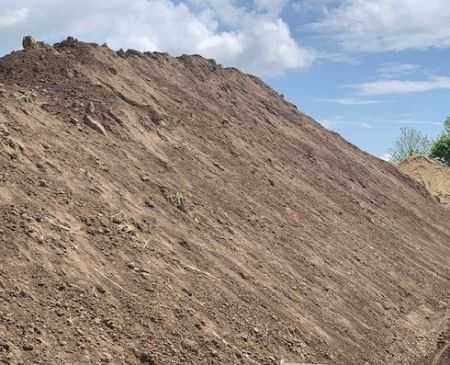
(433, 174)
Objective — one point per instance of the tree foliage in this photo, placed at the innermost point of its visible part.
(447, 126)
(441, 147)
(411, 142)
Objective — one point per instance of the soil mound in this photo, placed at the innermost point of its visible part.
(161, 210)
(433, 174)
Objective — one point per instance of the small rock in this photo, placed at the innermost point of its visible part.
(185, 244)
(5, 346)
(149, 203)
(28, 347)
(90, 107)
(71, 41)
(147, 358)
(112, 70)
(42, 183)
(106, 358)
(190, 345)
(73, 121)
(133, 52)
(100, 289)
(91, 122)
(68, 42)
(28, 42)
(180, 202)
(116, 220)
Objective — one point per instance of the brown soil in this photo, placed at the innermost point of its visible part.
(433, 174)
(160, 210)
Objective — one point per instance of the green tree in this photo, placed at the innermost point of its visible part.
(411, 142)
(447, 126)
(441, 147)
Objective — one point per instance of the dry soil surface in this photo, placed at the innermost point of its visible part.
(161, 210)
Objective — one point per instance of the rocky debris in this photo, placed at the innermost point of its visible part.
(121, 53)
(28, 42)
(26, 96)
(146, 358)
(69, 42)
(177, 199)
(92, 123)
(133, 52)
(74, 121)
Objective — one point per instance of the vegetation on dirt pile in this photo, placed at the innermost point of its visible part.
(441, 147)
(412, 142)
(161, 210)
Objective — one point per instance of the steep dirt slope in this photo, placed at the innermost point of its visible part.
(433, 174)
(159, 210)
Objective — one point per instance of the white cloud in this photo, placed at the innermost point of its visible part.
(365, 125)
(386, 156)
(311, 6)
(326, 123)
(256, 40)
(349, 101)
(270, 6)
(13, 16)
(394, 69)
(416, 122)
(387, 25)
(384, 87)
(337, 121)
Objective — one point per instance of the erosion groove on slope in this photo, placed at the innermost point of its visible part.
(211, 222)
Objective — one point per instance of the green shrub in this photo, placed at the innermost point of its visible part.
(441, 148)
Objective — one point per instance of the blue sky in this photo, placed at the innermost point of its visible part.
(364, 68)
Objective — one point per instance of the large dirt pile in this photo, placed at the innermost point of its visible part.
(160, 210)
(433, 174)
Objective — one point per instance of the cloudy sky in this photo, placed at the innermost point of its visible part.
(364, 68)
